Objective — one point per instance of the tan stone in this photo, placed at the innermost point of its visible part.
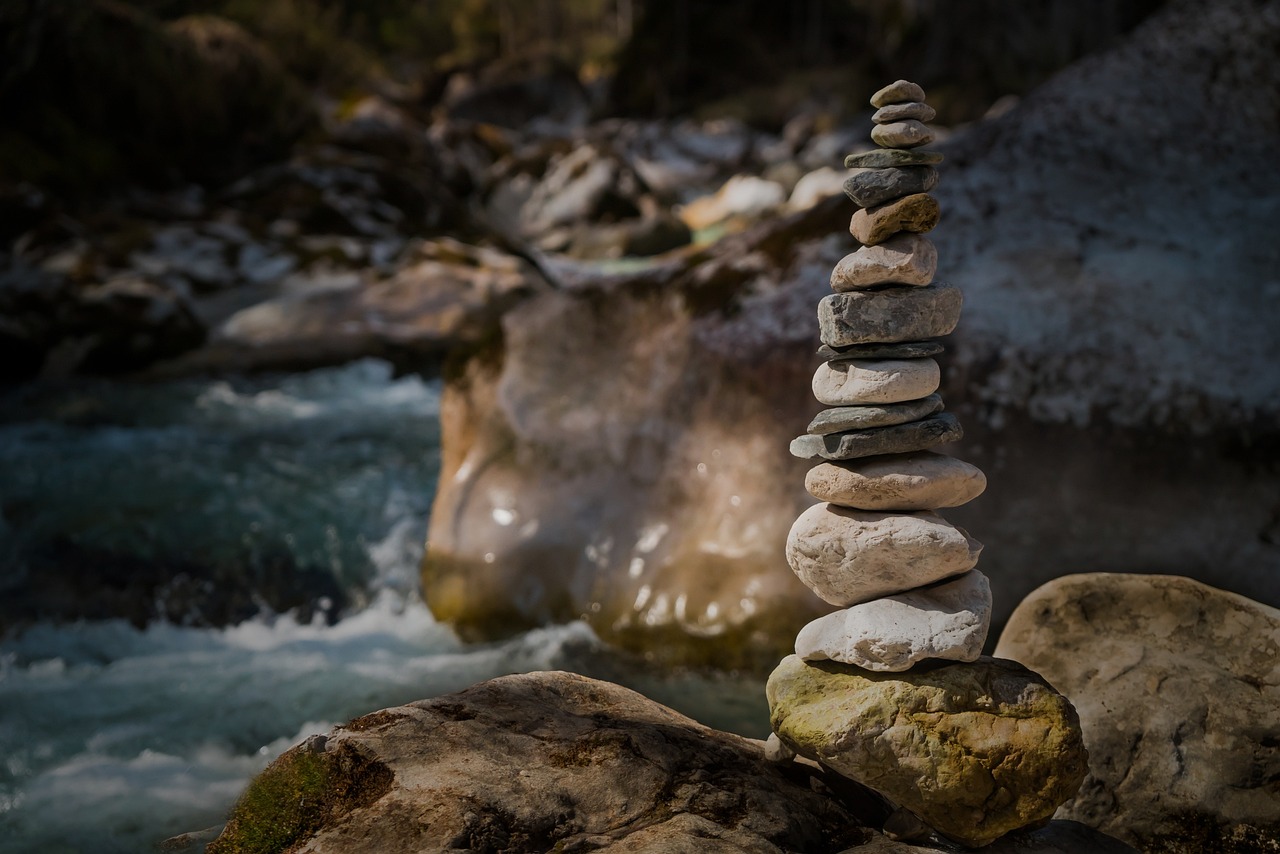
(860, 381)
(916, 213)
(904, 134)
(897, 112)
(897, 92)
(849, 556)
(921, 481)
(904, 259)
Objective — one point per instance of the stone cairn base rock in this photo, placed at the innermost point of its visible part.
(892, 691)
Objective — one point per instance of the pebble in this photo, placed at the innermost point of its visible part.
(921, 481)
(897, 92)
(860, 381)
(776, 751)
(896, 439)
(904, 259)
(898, 112)
(915, 213)
(869, 187)
(905, 134)
(851, 556)
(888, 315)
(885, 158)
(865, 417)
(947, 621)
(905, 350)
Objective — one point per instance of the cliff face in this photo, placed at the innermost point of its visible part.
(620, 453)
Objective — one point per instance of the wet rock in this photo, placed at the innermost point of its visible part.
(922, 481)
(975, 750)
(916, 213)
(1177, 687)
(896, 439)
(889, 314)
(897, 92)
(864, 417)
(870, 187)
(904, 259)
(874, 381)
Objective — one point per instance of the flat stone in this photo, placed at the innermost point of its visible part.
(905, 350)
(849, 556)
(859, 381)
(898, 112)
(888, 315)
(975, 750)
(916, 213)
(869, 187)
(946, 621)
(865, 417)
(905, 134)
(896, 439)
(1178, 686)
(888, 158)
(904, 259)
(897, 92)
(922, 481)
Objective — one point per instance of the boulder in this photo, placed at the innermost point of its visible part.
(1177, 685)
(974, 750)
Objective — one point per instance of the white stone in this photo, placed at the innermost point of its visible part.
(948, 621)
(920, 481)
(860, 381)
(904, 259)
(850, 556)
(776, 751)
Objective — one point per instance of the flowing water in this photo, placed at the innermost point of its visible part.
(115, 733)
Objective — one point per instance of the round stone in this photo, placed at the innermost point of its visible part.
(904, 259)
(916, 213)
(886, 158)
(947, 621)
(898, 112)
(888, 315)
(865, 417)
(896, 439)
(905, 350)
(897, 92)
(904, 134)
(850, 556)
(868, 187)
(921, 481)
(860, 381)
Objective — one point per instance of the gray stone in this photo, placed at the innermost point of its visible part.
(945, 621)
(888, 158)
(923, 481)
(916, 213)
(1178, 688)
(875, 381)
(897, 92)
(865, 417)
(850, 556)
(898, 112)
(889, 315)
(896, 439)
(869, 187)
(904, 259)
(904, 134)
(905, 350)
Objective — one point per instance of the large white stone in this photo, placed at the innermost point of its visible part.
(849, 556)
(861, 381)
(904, 259)
(949, 621)
(919, 481)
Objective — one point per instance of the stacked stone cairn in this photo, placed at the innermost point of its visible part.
(892, 691)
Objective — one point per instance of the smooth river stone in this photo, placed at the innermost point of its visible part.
(858, 381)
(850, 556)
(888, 315)
(905, 350)
(888, 158)
(897, 92)
(916, 213)
(896, 439)
(975, 749)
(868, 187)
(865, 417)
(904, 259)
(922, 481)
(904, 134)
(899, 112)
(946, 621)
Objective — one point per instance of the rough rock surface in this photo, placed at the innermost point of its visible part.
(864, 417)
(1178, 686)
(975, 750)
(896, 439)
(888, 315)
(946, 621)
(875, 381)
(906, 259)
(849, 556)
(921, 481)
(916, 213)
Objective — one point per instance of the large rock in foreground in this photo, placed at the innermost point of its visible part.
(975, 750)
(1178, 689)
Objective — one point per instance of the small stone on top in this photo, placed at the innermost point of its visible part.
(897, 92)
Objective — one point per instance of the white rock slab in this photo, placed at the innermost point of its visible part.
(948, 621)
(904, 259)
(917, 481)
(850, 556)
(863, 381)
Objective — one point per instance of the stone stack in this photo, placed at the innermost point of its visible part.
(974, 750)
